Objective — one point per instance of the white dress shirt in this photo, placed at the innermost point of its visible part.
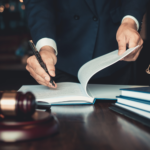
(50, 42)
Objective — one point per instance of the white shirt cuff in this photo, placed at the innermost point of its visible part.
(46, 42)
(136, 21)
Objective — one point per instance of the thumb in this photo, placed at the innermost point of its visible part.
(121, 47)
(50, 66)
(49, 58)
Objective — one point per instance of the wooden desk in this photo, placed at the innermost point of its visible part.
(91, 127)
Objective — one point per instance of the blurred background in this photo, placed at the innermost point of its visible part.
(14, 48)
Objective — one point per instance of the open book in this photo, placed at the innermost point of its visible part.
(81, 93)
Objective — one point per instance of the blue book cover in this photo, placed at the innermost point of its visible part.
(139, 92)
(138, 89)
(130, 108)
(136, 103)
(133, 99)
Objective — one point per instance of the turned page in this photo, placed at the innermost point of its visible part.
(97, 64)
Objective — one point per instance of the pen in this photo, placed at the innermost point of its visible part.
(38, 57)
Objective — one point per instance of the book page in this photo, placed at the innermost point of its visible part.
(106, 91)
(66, 91)
(97, 64)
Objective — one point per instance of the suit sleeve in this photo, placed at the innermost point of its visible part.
(41, 19)
(135, 8)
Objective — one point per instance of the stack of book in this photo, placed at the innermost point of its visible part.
(134, 103)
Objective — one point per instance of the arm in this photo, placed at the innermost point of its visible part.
(135, 8)
(41, 21)
(41, 18)
(127, 34)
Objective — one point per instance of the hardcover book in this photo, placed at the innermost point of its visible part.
(138, 92)
(81, 93)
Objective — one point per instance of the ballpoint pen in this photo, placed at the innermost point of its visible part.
(38, 57)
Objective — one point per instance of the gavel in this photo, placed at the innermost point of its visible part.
(17, 104)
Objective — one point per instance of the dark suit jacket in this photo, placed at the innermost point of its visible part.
(82, 29)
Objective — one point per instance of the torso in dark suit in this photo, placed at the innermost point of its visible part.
(82, 29)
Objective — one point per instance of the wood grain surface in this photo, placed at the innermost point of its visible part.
(91, 127)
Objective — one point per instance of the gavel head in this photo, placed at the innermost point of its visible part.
(17, 104)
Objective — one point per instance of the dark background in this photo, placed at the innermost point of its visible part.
(14, 48)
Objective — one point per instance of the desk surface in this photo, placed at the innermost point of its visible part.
(91, 127)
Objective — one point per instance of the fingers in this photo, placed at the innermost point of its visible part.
(134, 55)
(49, 62)
(121, 45)
(135, 40)
(38, 78)
(37, 72)
(34, 66)
(127, 35)
(140, 42)
(50, 67)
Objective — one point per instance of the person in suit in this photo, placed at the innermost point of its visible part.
(72, 32)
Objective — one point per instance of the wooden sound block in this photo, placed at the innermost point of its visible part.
(41, 124)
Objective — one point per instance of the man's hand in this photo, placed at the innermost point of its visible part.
(37, 72)
(127, 36)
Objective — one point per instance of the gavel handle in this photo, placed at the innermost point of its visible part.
(43, 105)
